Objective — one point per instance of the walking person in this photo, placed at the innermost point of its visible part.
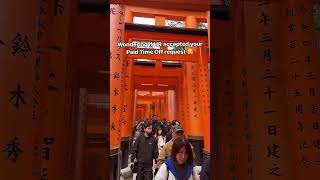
(160, 138)
(145, 150)
(161, 142)
(179, 165)
(166, 150)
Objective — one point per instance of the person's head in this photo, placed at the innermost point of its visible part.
(181, 151)
(177, 132)
(148, 128)
(175, 122)
(159, 131)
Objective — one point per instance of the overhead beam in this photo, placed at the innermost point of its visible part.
(167, 13)
(178, 57)
(157, 80)
(153, 88)
(166, 29)
(203, 5)
(150, 97)
(158, 36)
(151, 72)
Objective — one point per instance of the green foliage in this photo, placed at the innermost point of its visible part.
(203, 25)
(172, 23)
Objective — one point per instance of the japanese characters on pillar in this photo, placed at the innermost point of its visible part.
(57, 133)
(40, 84)
(181, 116)
(246, 120)
(204, 95)
(193, 98)
(17, 53)
(185, 101)
(265, 89)
(127, 117)
(303, 69)
(116, 72)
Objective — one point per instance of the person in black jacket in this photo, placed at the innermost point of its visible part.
(145, 150)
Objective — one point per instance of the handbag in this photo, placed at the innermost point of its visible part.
(134, 168)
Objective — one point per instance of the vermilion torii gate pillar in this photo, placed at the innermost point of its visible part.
(193, 86)
(127, 122)
(117, 13)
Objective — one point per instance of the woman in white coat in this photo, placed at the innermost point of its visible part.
(179, 165)
(160, 138)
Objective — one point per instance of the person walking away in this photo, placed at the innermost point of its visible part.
(145, 150)
(179, 165)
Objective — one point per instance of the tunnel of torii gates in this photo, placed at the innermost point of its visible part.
(175, 93)
(266, 93)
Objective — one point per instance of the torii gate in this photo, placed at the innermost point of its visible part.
(192, 88)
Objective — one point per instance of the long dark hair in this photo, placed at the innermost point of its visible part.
(177, 145)
(159, 128)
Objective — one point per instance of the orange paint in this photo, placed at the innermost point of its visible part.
(160, 20)
(127, 123)
(192, 80)
(115, 78)
(204, 96)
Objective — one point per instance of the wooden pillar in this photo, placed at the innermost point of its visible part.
(117, 13)
(266, 91)
(24, 86)
(204, 96)
(243, 142)
(302, 69)
(116, 61)
(225, 116)
(165, 105)
(147, 110)
(209, 32)
(185, 101)
(127, 121)
(192, 79)
(171, 105)
(181, 116)
(162, 106)
(127, 117)
(135, 105)
(81, 135)
(56, 149)
(156, 112)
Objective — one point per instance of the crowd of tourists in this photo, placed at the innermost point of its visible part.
(160, 151)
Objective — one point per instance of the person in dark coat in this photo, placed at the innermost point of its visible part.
(145, 150)
(205, 169)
